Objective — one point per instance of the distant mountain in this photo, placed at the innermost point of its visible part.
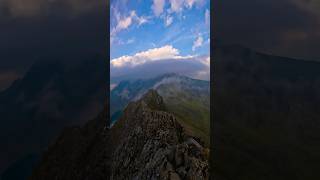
(52, 95)
(187, 98)
(266, 116)
(147, 142)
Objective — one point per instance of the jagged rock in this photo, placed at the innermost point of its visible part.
(174, 176)
(155, 145)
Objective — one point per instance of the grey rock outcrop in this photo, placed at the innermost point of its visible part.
(154, 145)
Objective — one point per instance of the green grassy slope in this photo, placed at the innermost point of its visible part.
(192, 110)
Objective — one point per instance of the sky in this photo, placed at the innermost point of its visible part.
(146, 32)
(289, 28)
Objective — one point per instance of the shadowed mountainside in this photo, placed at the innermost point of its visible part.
(266, 116)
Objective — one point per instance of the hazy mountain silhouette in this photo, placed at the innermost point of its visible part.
(266, 116)
(52, 95)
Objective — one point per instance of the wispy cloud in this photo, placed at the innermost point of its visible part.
(169, 20)
(124, 22)
(179, 5)
(197, 43)
(130, 41)
(190, 3)
(119, 41)
(175, 31)
(207, 17)
(142, 19)
(176, 5)
(158, 6)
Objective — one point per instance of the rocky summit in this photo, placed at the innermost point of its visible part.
(146, 143)
(153, 145)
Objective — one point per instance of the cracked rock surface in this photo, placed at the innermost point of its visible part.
(154, 145)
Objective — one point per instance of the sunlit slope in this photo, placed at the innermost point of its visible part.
(187, 98)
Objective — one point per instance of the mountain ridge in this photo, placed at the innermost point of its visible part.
(187, 98)
(144, 134)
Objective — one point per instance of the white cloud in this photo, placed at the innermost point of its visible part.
(130, 41)
(125, 22)
(158, 61)
(207, 17)
(142, 19)
(165, 52)
(119, 41)
(169, 20)
(197, 43)
(158, 6)
(176, 5)
(189, 3)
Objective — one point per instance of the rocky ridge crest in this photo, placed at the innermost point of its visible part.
(156, 146)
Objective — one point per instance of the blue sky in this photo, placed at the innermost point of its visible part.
(140, 25)
(144, 31)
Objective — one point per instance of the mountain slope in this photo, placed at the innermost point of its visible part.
(52, 95)
(146, 142)
(188, 99)
(266, 116)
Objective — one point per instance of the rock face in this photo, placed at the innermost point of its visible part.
(145, 143)
(154, 145)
